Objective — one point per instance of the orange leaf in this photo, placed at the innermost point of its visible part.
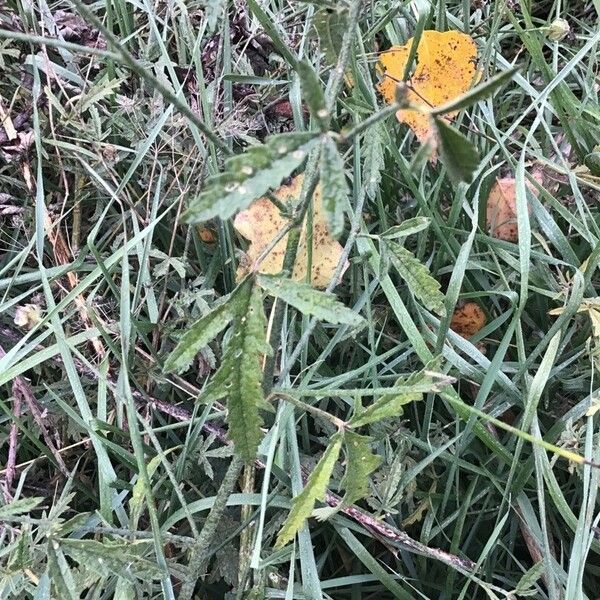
(467, 319)
(262, 221)
(445, 70)
(502, 209)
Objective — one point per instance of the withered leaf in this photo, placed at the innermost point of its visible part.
(261, 223)
(502, 209)
(445, 69)
(467, 319)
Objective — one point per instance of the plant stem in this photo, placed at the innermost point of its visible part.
(311, 409)
(245, 553)
(201, 550)
(380, 115)
(334, 85)
(289, 260)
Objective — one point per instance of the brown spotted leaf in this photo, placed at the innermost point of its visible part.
(502, 209)
(262, 221)
(445, 69)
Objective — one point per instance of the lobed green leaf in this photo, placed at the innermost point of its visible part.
(360, 463)
(202, 332)
(312, 92)
(405, 391)
(406, 228)
(250, 175)
(420, 282)
(374, 143)
(122, 559)
(334, 188)
(315, 489)
(239, 377)
(330, 25)
(19, 507)
(322, 305)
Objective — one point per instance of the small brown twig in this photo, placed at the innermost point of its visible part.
(13, 440)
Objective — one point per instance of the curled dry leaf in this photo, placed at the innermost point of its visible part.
(445, 69)
(467, 319)
(28, 315)
(262, 221)
(502, 209)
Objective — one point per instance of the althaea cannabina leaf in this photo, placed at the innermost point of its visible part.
(315, 489)
(250, 175)
(201, 333)
(405, 391)
(322, 305)
(239, 377)
(420, 282)
(360, 463)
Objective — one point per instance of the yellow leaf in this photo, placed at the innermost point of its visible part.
(262, 221)
(445, 70)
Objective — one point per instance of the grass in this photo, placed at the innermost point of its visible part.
(116, 483)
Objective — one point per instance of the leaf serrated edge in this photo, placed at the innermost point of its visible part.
(315, 489)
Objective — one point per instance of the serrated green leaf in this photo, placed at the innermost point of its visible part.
(312, 92)
(360, 463)
(330, 26)
(136, 503)
(121, 559)
(386, 407)
(405, 391)
(374, 143)
(322, 305)
(250, 175)
(72, 524)
(202, 332)
(19, 507)
(406, 228)
(529, 578)
(239, 378)
(315, 489)
(334, 189)
(60, 574)
(420, 282)
(458, 153)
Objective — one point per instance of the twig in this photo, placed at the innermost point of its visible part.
(13, 440)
